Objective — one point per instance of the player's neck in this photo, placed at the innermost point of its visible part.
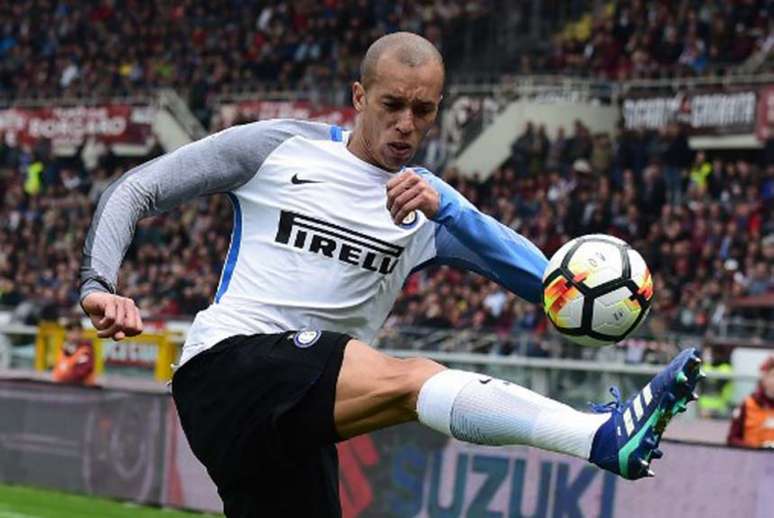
(359, 147)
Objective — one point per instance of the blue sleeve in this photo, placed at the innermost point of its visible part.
(467, 238)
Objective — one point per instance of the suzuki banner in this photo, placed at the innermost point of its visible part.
(71, 126)
(410, 471)
(129, 445)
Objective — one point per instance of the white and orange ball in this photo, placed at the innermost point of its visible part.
(597, 290)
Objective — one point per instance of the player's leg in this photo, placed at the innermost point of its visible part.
(374, 391)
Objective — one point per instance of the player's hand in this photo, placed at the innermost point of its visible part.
(407, 192)
(113, 316)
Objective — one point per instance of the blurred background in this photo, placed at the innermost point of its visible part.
(651, 121)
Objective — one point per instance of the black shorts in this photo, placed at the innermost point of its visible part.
(258, 413)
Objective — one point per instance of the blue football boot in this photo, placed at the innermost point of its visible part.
(628, 441)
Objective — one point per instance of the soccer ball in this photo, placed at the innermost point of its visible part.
(597, 290)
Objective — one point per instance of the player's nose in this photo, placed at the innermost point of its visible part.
(405, 123)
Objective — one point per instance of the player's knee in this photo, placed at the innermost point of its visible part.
(413, 374)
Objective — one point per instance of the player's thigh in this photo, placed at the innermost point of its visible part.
(375, 390)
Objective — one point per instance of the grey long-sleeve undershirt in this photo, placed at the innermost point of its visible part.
(218, 163)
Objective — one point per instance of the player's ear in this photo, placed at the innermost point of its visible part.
(358, 96)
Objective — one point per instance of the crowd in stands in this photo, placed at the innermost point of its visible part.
(61, 48)
(703, 223)
(634, 39)
(170, 270)
(52, 48)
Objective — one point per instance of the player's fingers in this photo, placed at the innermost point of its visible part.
(407, 182)
(106, 333)
(398, 178)
(396, 188)
(410, 206)
(404, 197)
(402, 181)
(140, 325)
(133, 326)
(118, 320)
(95, 320)
(413, 204)
(127, 325)
(109, 315)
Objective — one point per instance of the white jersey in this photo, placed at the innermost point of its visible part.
(313, 245)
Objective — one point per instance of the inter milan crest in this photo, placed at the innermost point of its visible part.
(410, 220)
(306, 338)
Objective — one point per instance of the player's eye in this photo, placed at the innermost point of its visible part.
(391, 106)
(423, 111)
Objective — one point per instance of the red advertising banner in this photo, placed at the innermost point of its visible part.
(71, 126)
(243, 111)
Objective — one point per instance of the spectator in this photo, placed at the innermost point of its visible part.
(637, 40)
(753, 422)
(700, 174)
(676, 157)
(75, 359)
(88, 49)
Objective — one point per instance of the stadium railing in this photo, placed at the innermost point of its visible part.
(584, 377)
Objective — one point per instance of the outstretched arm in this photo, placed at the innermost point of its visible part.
(218, 163)
(467, 238)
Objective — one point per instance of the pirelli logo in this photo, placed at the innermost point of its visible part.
(337, 242)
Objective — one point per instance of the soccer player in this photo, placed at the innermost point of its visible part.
(327, 226)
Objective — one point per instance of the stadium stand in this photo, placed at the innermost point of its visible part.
(714, 240)
(697, 203)
(639, 40)
(705, 246)
(703, 218)
(88, 49)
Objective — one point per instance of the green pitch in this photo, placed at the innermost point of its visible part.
(23, 502)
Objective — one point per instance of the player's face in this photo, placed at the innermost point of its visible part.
(397, 110)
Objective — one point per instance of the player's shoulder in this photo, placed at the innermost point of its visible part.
(280, 130)
(250, 144)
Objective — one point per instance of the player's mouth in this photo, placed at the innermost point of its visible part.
(400, 149)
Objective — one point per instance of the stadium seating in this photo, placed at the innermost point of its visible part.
(707, 244)
(88, 49)
(705, 248)
(644, 40)
(705, 226)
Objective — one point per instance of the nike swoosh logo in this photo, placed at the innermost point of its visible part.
(484, 381)
(298, 181)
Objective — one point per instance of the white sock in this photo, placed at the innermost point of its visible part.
(479, 409)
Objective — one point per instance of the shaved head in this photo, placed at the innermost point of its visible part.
(406, 47)
(397, 99)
